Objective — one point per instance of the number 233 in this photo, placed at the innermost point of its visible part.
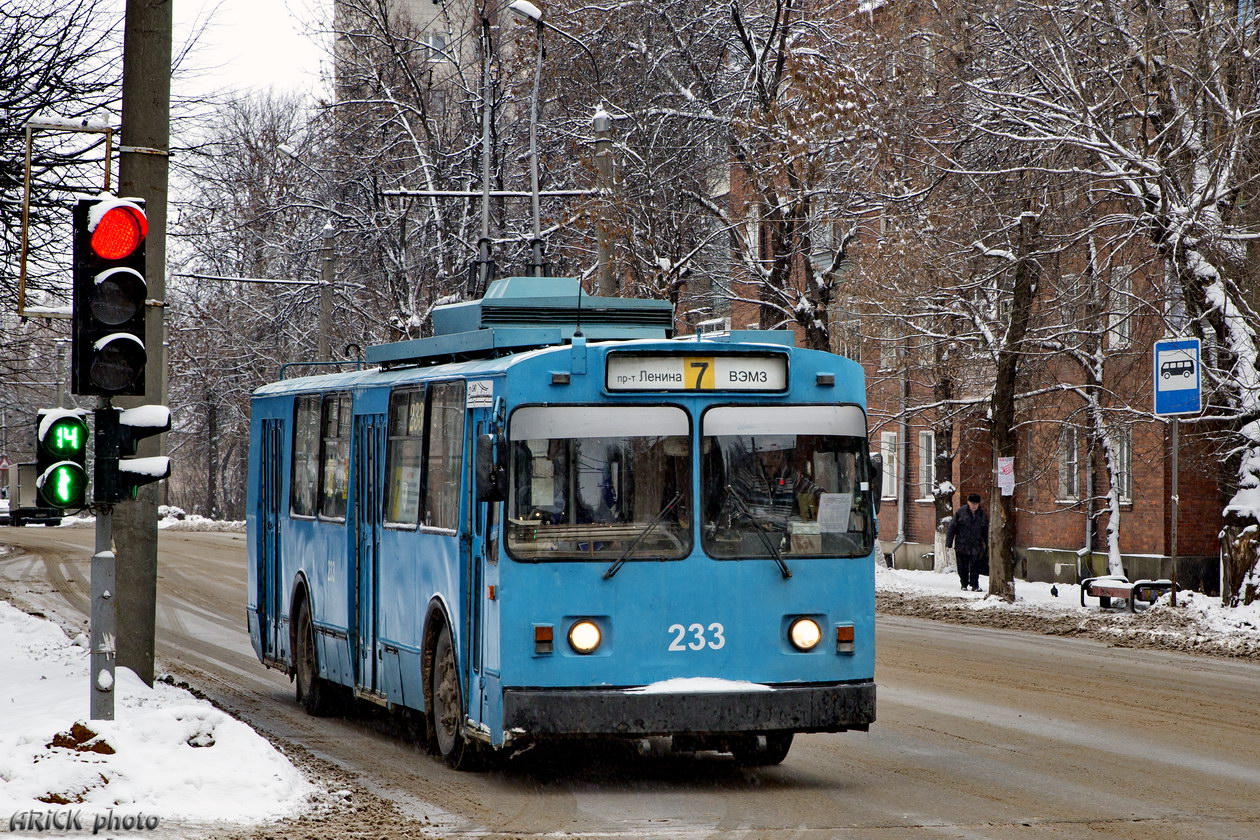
(700, 637)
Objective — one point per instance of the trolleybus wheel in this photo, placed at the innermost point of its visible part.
(312, 692)
(763, 750)
(447, 711)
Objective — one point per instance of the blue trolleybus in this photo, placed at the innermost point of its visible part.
(552, 519)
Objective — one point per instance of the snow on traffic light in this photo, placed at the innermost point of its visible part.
(118, 434)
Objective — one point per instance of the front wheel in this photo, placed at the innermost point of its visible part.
(760, 750)
(447, 708)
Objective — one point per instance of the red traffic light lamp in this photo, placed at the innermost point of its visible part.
(118, 229)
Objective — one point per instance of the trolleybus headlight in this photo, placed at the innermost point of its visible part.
(804, 634)
(584, 636)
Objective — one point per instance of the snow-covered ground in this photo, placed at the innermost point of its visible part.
(171, 519)
(1198, 623)
(168, 760)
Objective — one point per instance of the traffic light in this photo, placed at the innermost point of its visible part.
(118, 475)
(109, 296)
(61, 441)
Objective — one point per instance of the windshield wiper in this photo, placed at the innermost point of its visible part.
(612, 570)
(774, 552)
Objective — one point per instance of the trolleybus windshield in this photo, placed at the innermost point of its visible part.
(598, 482)
(790, 480)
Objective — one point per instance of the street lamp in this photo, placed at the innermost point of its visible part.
(527, 12)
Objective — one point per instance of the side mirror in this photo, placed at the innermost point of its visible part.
(877, 479)
(491, 468)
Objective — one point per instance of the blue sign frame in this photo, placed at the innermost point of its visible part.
(1178, 380)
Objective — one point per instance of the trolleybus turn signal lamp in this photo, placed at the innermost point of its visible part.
(543, 636)
(844, 638)
(584, 636)
(110, 293)
(804, 634)
(61, 458)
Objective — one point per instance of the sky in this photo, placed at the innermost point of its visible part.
(250, 44)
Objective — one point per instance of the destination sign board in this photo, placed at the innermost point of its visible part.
(639, 372)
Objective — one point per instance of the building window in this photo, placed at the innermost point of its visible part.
(435, 46)
(1122, 452)
(892, 474)
(847, 328)
(887, 346)
(927, 465)
(1069, 463)
(1120, 309)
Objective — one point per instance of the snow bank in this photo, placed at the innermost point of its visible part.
(1198, 623)
(166, 755)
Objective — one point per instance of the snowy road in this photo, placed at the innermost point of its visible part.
(981, 734)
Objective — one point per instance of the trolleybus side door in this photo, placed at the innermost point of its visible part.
(268, 571)
(369, 431)
(484, 571)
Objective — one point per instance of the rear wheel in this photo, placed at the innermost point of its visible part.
(313, 692)
(762, 750)
(447, 708)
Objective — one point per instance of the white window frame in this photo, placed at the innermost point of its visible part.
(1069, 464)
(927, 465)
(892, 474)
(435, 44)
(1120, 309)
(1122, 453)
(888, 356)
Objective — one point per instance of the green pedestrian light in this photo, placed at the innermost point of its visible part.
(61, 458)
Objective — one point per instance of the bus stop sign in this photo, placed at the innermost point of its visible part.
(1178, 385)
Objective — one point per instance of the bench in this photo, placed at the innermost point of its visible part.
(1106, 587)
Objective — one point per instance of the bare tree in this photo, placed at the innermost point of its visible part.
(1159, 103)
(59, 62)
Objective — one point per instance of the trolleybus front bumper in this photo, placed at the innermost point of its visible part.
(829, 707)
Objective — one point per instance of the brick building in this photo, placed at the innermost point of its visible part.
(1066, 496)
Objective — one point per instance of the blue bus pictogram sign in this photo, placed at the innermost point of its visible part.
(1178, 384)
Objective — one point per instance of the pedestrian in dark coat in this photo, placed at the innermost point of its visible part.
(968, 535)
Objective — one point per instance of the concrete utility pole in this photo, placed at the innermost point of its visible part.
(142, 172)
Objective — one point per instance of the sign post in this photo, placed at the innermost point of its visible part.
(1178, 391)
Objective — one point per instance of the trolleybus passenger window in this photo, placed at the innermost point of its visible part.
(304, 475)
(334, 477)
(403, 458)
(443, 470)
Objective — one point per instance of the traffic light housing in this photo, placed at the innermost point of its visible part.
(118, 432)
(109, 296)
(61, 444)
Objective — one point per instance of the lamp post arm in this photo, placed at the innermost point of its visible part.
(578, 41)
